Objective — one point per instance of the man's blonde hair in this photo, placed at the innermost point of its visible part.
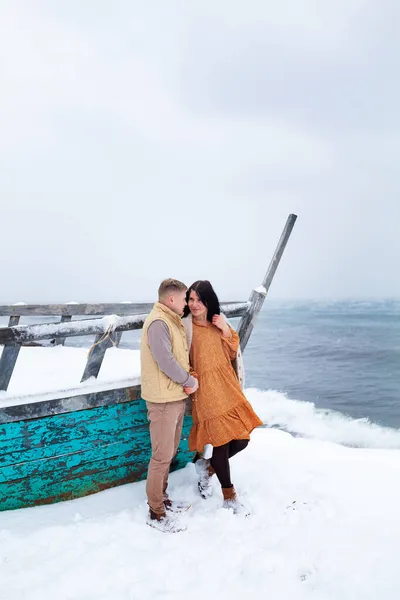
(169, 286)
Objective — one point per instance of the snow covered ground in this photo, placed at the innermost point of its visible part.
(325, 521)
(325, 526)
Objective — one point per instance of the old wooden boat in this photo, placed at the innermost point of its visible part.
(70, 444)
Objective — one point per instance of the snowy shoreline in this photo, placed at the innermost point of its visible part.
(324, 526)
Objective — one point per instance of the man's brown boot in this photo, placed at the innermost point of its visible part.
(164, 523)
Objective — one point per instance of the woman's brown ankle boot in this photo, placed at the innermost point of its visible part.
(229, 494)
(231, 501)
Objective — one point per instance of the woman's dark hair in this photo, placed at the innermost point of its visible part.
(209, 298)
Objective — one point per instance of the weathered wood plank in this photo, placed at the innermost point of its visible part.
(117, 337)
(70, 426)
(14, 320)
(30, 494)
(96, 309)
(41, 452)
(97, 431)
(100, 309)
(70, 403)
(105, 457)
(257, 296)
(8, 361)
(75, 463)
(34, 494)
(9, 358)
(14, 430)
(41, 484)
(60, 341)
(96, 357)
(135, 447)
(26, 333)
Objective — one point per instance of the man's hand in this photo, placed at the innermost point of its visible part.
(192, 390)
(220, 322)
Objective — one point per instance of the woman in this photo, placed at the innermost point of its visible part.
(222, 416)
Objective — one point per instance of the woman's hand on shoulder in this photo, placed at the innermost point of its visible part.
(220, 322)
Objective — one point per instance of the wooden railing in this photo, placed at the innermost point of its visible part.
(108, 329)
(69, 310)
(72, 309)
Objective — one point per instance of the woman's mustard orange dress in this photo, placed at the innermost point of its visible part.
(220, 411)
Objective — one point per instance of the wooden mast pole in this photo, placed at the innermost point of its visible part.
(258, 295)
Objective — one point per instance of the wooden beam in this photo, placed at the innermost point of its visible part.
(60, 341)
(47, 331)
(117, 338)
(83, 400)
(96, 356)
(54, 310)
(8, 358)
(258, 295)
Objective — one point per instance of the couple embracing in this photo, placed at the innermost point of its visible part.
(188, 349)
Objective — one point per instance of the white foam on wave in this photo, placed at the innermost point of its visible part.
(305, 419)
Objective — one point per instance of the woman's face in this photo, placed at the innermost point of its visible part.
(196, 307)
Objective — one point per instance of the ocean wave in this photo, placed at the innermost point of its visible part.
(305, 419)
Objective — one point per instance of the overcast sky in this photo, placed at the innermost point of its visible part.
(141, 140)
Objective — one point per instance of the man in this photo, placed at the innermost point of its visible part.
(165, 372)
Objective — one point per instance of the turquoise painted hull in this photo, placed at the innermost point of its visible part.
(46, 459)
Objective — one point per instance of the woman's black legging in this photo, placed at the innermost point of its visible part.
(220, 460)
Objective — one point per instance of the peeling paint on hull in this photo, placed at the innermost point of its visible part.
(57, 457)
